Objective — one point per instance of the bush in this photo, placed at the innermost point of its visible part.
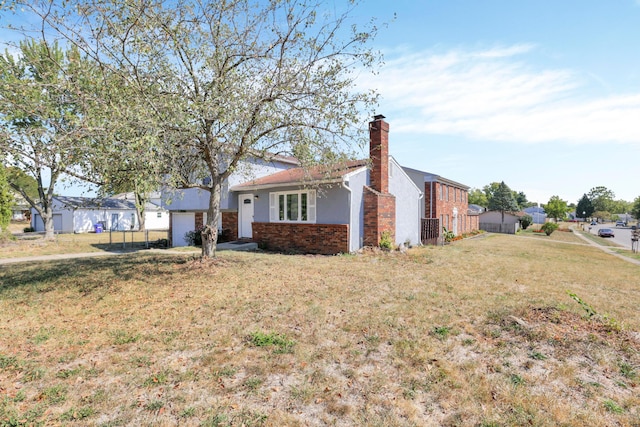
(385, 240)
(549, 227)
(28, 230)
(526, 221)
(194, 237)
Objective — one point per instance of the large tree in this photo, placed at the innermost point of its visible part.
(584, 209)
(225, 80)
(502, 199)
(6, 201)
(635, 209)
(478, 197)
(41, 120)
(556, 208)
(602, 199)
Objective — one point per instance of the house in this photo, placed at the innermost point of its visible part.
(447, 201)
(82, 214)
(325, 209)
(537, 213)
(188, 207)
(491, 221)
(20, 209)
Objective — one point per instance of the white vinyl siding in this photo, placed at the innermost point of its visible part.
(293, 206)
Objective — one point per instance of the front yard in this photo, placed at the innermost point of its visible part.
(480, 332)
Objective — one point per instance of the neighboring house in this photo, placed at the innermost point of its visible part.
(82, 214)
(157, 217)
(447, 201)
(20, 211)
(492, 221)
(476, 209)
(537, 213)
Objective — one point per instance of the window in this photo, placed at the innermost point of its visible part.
(292, 206)
(447, 193)
(440, 188)
(159, 214)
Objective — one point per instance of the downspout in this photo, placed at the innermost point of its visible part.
(346, 187)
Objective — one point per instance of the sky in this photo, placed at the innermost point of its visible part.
(541, 94)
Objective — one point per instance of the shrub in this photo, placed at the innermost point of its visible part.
(385, 240)
(526, 221)
(448, 235)
(28, 230)
(549, 227)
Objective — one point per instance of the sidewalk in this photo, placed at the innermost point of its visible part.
(605, 248)
(228, 246)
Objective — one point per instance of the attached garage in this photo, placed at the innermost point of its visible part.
(181, 223)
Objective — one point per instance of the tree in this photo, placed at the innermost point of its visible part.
(6, 201)
(477, 197)
(601, 199)
(526, 221)
(41, 121)
(556, 208)
(226, 80)
(635, 209)
(584, 209)
(18, 179)
(522, 201)
(502, 199)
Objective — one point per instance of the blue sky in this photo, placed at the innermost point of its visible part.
(541, 94)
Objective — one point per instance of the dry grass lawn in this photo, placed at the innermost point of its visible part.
(482, 332)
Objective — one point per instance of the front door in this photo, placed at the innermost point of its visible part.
(245, 217)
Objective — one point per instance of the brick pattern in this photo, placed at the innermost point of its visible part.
(379, 216)
(199, 222)
(230, 225)
(443, 209)
(326, 239)
(379, 155)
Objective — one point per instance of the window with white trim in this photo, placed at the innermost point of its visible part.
(293, 206)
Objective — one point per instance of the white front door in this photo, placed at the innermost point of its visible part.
(245, 217)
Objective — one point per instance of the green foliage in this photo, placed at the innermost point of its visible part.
(601, 199)
(27, 184)
(556, 208)
(281, 342)
(502, 199)
(549, 227)
(475, 196)
(635, 208)
(448, 235)
(613, 407)
(584, 209)
(6, 200)
(526, 221)
(386, 242)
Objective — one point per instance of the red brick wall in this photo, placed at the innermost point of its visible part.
(230, 225)
(379, 155)
(199, 222)
(326, 239)
(379, 216)
(443, 208)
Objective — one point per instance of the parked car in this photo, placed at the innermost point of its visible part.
(605, 232)
(620, 224)
(594, 223)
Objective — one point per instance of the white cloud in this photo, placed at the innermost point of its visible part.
(494, 94)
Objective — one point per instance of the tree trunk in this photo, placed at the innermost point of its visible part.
(47, 219)
(140, 202)
(210, 231)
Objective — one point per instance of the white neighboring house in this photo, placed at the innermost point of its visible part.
(156, 217)
(82, 214)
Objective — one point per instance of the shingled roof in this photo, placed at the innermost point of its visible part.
(321, 174)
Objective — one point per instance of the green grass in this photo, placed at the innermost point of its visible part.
(479, 332)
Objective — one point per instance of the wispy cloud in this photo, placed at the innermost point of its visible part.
(497, 94)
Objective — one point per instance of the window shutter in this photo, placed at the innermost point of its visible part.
(311, 206)
(273, 207)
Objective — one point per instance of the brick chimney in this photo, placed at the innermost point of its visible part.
(379, 154)
(379, 205)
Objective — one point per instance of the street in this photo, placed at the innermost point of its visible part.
(622, 234)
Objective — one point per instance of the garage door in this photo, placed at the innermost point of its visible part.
(39, 224)
(181, 224)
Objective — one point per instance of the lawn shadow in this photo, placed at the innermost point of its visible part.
(88, 274)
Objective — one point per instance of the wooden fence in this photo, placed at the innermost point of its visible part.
(430, 231)
(499, 228)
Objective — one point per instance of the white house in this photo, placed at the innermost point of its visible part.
(83, 214)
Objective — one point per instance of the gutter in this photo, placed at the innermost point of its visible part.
(346, 187)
